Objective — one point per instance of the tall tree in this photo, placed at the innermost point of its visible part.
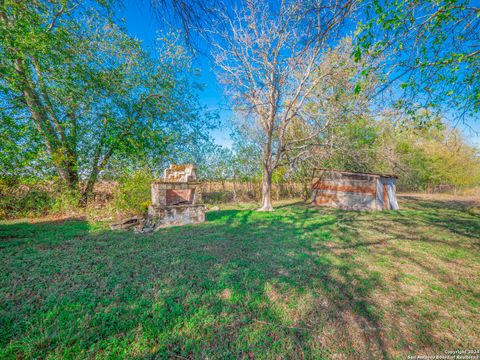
(89, 89)
(344, 101)
(268, 53)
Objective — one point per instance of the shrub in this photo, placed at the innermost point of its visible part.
(66, 201)
(24, 199)
(132, 195)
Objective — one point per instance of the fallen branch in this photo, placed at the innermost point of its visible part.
(126, 223)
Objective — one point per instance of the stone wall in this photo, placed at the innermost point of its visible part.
(160, 193)
(159, 217)
(176, 199)
(180, 173)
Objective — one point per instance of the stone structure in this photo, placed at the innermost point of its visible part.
(354, 190)
(176, 199)
(180, 173)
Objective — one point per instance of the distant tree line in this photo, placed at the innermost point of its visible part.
(352, 85)
(423, 157)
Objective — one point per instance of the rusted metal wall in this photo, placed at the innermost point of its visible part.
(353, 190)
(386, 193)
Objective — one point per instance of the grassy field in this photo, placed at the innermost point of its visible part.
(296, 283)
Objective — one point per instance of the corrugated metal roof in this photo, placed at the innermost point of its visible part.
(354, 172)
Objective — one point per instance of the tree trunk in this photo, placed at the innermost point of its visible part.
(70, 167)
(62, 153)
(266, 190)
(234, 190)
(306, 191)
(89, 187)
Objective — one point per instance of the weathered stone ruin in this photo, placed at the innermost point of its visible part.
(176, 199)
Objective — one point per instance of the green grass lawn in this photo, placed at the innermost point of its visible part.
(296, 283)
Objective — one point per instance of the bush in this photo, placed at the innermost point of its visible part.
(27, 199)
(132, 195)
(33, 198)
(66, 201)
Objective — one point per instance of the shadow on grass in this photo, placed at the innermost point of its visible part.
(450, 215)
(48, 231)
(288, 284)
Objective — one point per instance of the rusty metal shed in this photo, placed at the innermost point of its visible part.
(354, 190)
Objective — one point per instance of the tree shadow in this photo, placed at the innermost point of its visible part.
(451, 215)
(422, 203)
(50, 231)
(288, 261)
(289, 284)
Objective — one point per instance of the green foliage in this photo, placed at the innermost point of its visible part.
(132, 193)
(218, 165)
(432, 156)
(66, 200)
(29, 197)
(17, 157)
(33, 197)
(431, 51)
(27, 203)
(416, 174)
(75, 82)
(356, 146)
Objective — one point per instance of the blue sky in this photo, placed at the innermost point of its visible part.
(142, 24)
